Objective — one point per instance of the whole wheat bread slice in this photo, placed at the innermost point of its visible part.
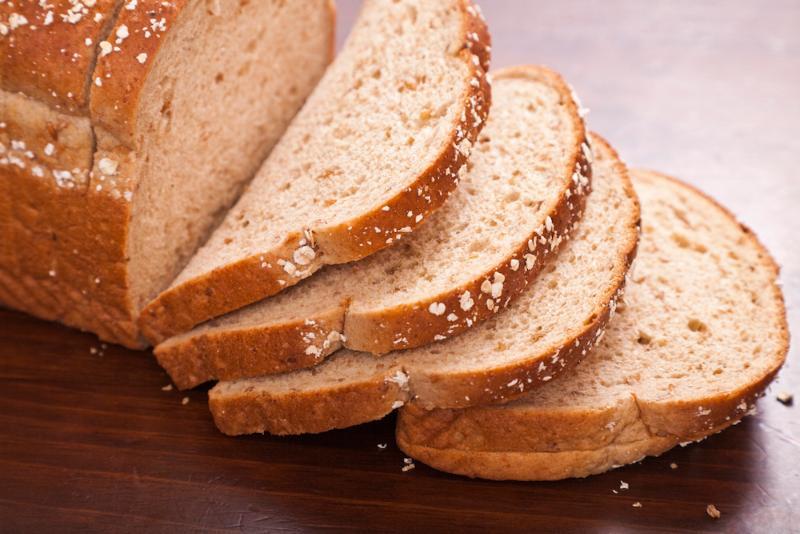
(386, 132)
(524, 189)
(542, 333)
(116, 157)
(701, 333)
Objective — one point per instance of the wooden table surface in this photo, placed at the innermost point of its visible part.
(707, 91)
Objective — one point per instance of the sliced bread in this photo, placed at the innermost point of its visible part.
(542, 333)
(524, 189)
(116, 157)
(701, 333)
(385, 134)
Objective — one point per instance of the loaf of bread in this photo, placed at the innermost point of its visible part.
(385, 133)
(126, 130)
(701, 333)
(524, 189)
(541, 334)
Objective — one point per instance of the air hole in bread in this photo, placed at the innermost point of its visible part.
(535, 205)
(166, 108)
(213, 8)
(696, 325)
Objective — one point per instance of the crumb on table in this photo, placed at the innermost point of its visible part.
(713, 512)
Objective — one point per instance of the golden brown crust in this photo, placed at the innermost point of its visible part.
(124, 62)
(497, 443)
(524, 442)
(48, 53)
(401, 326)
(428, 389)
(292, 413)
(245, 281)
(191, 360)
(65, 257)
(534, 465)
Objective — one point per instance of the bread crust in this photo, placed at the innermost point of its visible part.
(296, 414)
(50, 55)
(530, 443)
(66, 257)
(428, 389)
(207, 353)
(63, 254)
(191, 359)
(122, 77)
(547, 445)
(245, 281)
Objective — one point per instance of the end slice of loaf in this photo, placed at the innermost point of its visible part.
(702, 332)
(523, 191)
(553, 324)
(385, 133)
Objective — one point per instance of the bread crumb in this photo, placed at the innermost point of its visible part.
(437, 308)
(637, 504)
(108, 166)
(168, 387)
(409, 464)
(785, 398)
(623, 485)
(673, 465)
(382, 446)
(185, 401)
(713, 512)
(465, 301)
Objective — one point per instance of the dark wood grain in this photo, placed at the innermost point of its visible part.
(706, 91)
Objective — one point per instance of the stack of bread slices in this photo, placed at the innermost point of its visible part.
(424, 236)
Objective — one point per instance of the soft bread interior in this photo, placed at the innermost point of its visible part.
(379, 117)
(223, 88)
(701, 315)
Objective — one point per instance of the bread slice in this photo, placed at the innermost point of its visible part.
(524, 189)
(701, 334)
(116, 158)
(541, 334)
(385, 133)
